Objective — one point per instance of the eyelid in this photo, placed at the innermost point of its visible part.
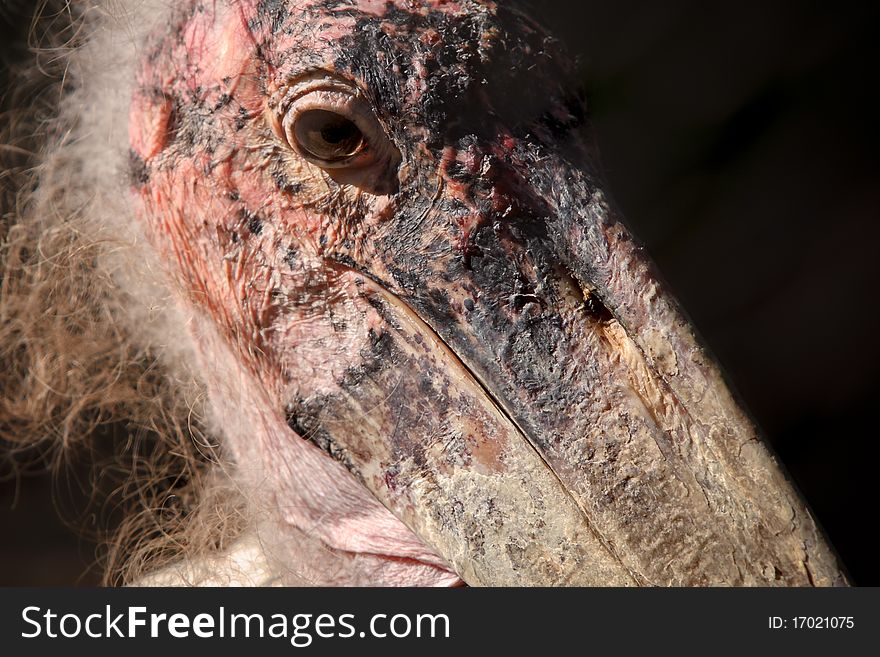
(305, 84)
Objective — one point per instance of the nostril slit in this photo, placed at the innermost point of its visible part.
(596, 308)
(593, 303)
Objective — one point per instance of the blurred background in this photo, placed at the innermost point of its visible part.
(741, 142)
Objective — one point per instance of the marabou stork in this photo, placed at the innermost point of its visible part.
(374, 233)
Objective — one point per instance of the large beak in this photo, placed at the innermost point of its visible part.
(538, 410)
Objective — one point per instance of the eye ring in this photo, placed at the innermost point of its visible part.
(328, 123)
(332, 127)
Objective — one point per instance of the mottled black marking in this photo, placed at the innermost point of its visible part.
(296, 421)
(469, 250)
(408, 279)
(380, 353)
(439, 307)
(193, 126)
(383, 311)
(491, 67)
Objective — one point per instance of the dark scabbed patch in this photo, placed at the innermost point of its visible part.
(193, 126)
(425, 384)
(459, 172)
(439, 307)
(290, 257)
(271, 13)
(222, 101)
(497, 270)
(530, 354)
(138, 171)
(253, 222)
(345, 259)
(337, 322)
(285, 184)
(241, 118)
(408, 280)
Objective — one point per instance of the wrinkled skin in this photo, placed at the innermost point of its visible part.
(451, 361)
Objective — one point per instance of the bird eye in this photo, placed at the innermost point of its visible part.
(328, 136)
(329, 123)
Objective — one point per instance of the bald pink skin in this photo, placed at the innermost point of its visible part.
(460, 325)
(194, 202)
(266, 319)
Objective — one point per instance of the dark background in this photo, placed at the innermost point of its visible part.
(741, 141)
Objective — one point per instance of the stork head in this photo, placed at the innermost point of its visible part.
(411, 295)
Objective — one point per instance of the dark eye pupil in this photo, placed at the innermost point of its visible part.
(339, 132)
(327, 135)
